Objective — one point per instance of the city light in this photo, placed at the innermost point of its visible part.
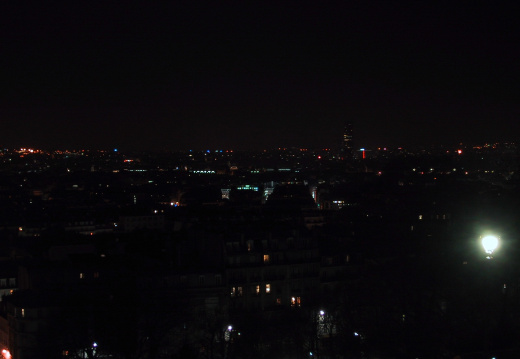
(490, 244)
(227, 333)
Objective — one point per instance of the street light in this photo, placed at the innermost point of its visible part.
(490, 243)
(227, 333)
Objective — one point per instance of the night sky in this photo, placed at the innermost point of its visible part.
(254, 75)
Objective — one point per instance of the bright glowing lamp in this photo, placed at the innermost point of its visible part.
(490, 243)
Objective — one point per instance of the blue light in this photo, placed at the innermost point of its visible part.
(115, 149)
(208, 151)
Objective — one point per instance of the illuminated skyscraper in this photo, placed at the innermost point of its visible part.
(347, 146)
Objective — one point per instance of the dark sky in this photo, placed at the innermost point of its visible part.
(181, 75)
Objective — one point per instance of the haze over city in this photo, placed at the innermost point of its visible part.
(252, 180)
(183, 75)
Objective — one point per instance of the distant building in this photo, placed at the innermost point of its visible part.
(139, 222)
(7, 282)
(272, 271)
(347, 145)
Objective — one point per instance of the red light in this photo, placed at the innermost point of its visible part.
(459, 152)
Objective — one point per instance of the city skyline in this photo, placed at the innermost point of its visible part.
(177, 76)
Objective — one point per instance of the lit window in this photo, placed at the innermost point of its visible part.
(239, 291)
(257, 290)
(23, 313)
(295, 301)
(81, 276)
(266, 258)
(278, 301)
(420, 217)
(268, 288)
(233, 291)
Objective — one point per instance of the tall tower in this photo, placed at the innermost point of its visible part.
(347, 146)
